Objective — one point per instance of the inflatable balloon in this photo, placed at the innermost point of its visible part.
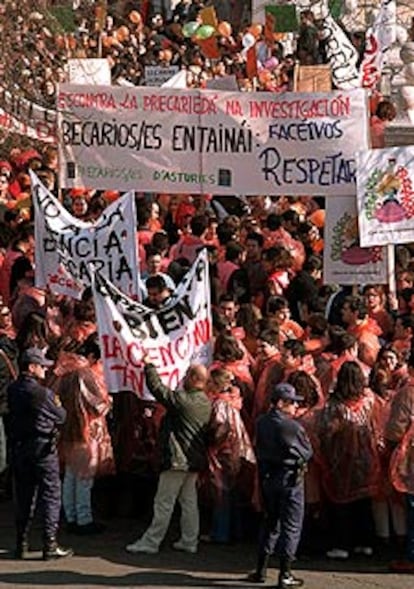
(224, 29)
(264, 76)
(135, 17)
(190, 28)
(168, 55)
(205, 32)
(256, 30)
(271, 63)
(248, 40)
(122, 33)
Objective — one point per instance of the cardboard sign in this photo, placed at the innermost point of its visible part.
(175, 141)
(312, 78)
(385, 189)
(344, 260)
(174, 336)
(69, 250)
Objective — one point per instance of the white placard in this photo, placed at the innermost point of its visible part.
(385, 181)
(157, 75)
(89, 71)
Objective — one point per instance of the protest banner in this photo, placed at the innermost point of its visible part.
(312, 78)
(344, 260)
(67, 250)
(10, 124)
(385, 190)
(157, 75)
(341, 54)
(19, 114)
(89, 71)
(167, 140)
(174, 337)
(379, 38)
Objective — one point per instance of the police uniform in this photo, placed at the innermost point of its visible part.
(283, 450)
(35, 413)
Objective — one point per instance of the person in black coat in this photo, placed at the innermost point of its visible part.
(283, 451)
(35, 412)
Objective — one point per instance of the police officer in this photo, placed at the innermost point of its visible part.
(283, 450)
(35, 412)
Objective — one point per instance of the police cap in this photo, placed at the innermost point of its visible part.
(285, 392)
(35, 356)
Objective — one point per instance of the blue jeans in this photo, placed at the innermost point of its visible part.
(410, 527)
(76, 498)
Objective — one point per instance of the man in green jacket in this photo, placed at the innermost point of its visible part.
(184, 453)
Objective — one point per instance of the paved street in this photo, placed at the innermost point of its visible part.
(102, 561)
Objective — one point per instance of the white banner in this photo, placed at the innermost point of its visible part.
(342, 55)
(164, 140)
(174, 337)
(378, 40)
(67, 248)
(385, 184)
(344, 260)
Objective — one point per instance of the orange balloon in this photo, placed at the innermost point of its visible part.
(122, 33)
(71, 42)
(135, 17)
(224, 29)
(60, 41)
(265, 76)
(255, 30)
(168, 55)
(107, 41)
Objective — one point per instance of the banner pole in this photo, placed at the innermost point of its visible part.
(392, 286)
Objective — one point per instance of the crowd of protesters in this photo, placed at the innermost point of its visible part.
(346, 351)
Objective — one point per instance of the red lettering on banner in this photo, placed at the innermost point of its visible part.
(134, 354)
(166, 354)
(202, 332)
(131, 379)
(112, 347)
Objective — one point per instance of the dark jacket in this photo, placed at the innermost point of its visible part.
(282, 445)
(34, 411)
(183, 435)
(10, 348)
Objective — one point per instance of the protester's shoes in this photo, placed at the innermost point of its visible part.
(402, 566)
(256, 577)
(90, 529)
(22, 551)
(54, 552)
(139, 548)
(288, 580)
(184, 547)
(364, 550)
(338, 554)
